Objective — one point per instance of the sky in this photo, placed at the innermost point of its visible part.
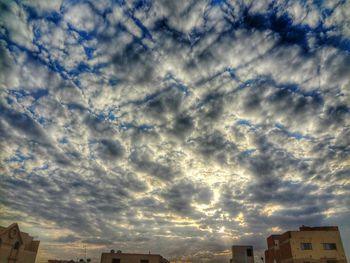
(177, 127)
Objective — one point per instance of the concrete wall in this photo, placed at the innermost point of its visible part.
(26, 253)
(239, 254)
(286, 248)
(316, 238)
(21, 256)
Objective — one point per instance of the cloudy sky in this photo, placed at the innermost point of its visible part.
(176, 127)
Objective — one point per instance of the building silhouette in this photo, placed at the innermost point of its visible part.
(17, 246)
(60, 261)
(308, 245)
(120, 257)
(242, 254)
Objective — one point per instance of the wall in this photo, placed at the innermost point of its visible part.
(317, 238)
(239, 254)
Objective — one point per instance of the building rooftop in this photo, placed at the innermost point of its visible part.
(307, 228)
(318, 228)
(136, 254)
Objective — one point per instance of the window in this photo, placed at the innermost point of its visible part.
(116, 260)
(332, 261)
(16, 246)
(144, 261)
(249, 252)
(305, 246)
(329, 246)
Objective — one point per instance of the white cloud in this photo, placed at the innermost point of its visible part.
(177, 137)
(82, 17)
(15, 21)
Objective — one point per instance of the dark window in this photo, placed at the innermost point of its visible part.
(332, 261)
(16, 245)
(249, 252)
(144, 261)
(329, 246)
(116, 260)
(305, 246)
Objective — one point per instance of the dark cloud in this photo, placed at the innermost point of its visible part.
(167, 101)
(141, 159)
(98, 126)
(214, 145)
(174, 126)
(110, 150)
(231, 201)
(182, 125)
(67, 239)
(181, 195)
(135, 64)
(24, 124)
(212, 106)
(97, 241)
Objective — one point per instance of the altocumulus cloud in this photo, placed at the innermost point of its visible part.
(178, 127)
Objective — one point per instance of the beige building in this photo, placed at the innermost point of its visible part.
(308, 245)
(242, 254)
(120, 257)
(16, 246)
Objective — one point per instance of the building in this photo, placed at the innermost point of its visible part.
(120, 257)
(88, 260)
(308, 245)
(242, 254)
(17, 246)
(68, 261)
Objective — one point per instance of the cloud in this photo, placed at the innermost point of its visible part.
(67, 239)
(110, 150)
(82, 17)
(162, 169)
(180, 127)
(180, 196)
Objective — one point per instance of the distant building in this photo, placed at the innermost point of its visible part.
(67, 261)
(242, 254)
(308, 245)
(120, 257)
(17, 246)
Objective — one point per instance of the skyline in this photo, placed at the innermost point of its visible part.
(178, 127)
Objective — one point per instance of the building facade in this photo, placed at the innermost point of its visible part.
(308, 245)
(16, 246)
(120, 257)
(242, 254)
